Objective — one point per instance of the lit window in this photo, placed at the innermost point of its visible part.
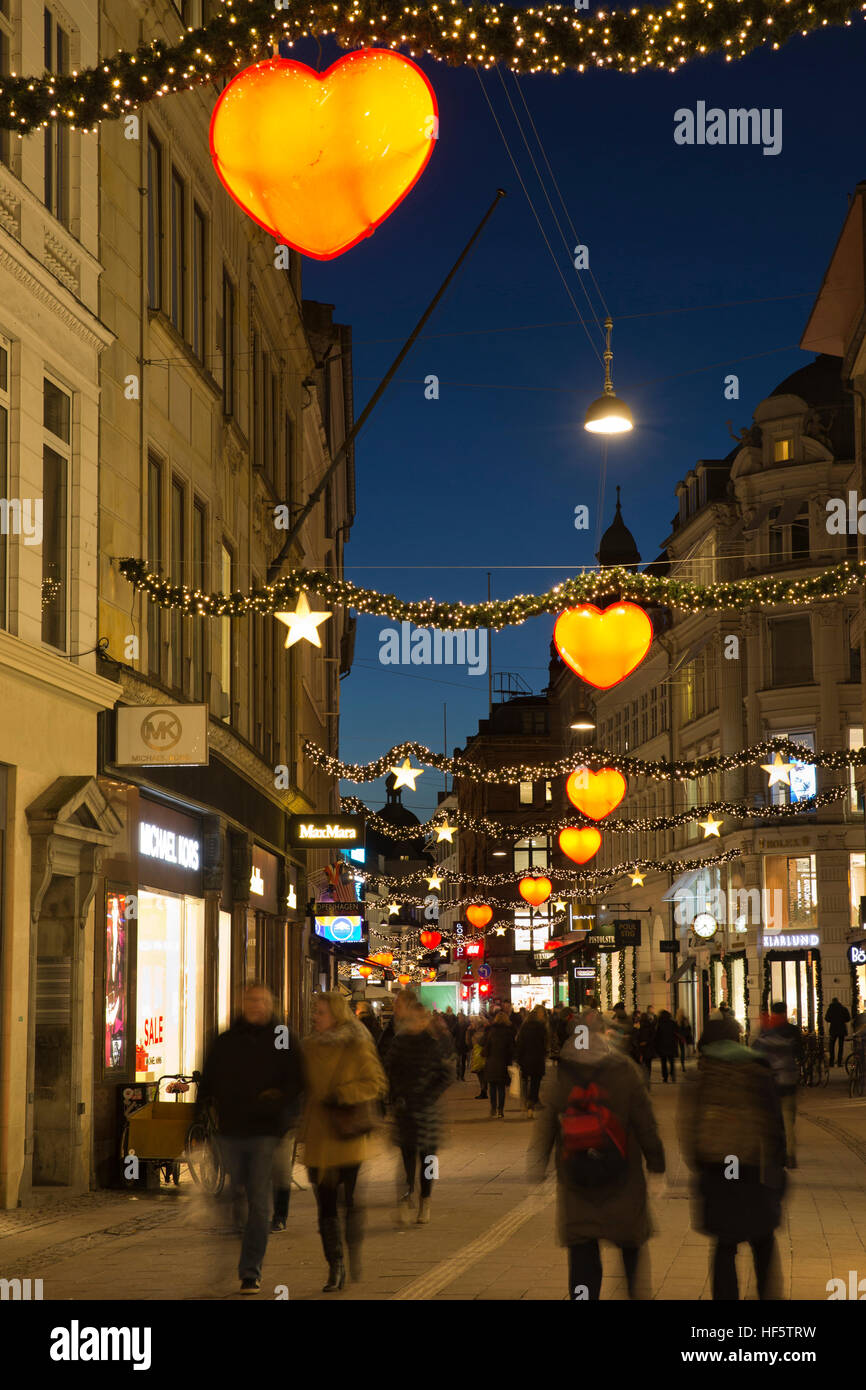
(783, 449)
(526, 793)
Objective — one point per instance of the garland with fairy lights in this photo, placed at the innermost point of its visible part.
(652, 590)
(484, 825)
(622, 978)
(547, 38)
(690, 769)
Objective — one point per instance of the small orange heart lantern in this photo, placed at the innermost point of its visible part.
(321, 159)
(535, 890)
(580, 843)
(479, 914)
(603, 646)
(365, 971)
(404, 979)
(596, 794)
(430, 939)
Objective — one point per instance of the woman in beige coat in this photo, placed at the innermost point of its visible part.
(343, 1070)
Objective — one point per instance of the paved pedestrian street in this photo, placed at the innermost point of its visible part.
(491, 1236)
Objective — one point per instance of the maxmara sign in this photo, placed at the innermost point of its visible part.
(305, 831)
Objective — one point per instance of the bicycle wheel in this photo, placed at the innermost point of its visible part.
(203, 1159)
(849, 1064)
(823, 1070)
(858, 1082)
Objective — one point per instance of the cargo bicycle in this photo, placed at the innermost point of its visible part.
(167, 1133)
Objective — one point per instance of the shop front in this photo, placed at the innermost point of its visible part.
(729, 984)
(857, 963)
(792, 975)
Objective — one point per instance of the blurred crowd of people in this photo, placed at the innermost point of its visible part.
(271, 1091)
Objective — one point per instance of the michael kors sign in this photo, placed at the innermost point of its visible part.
(324, 831)
(162, 736)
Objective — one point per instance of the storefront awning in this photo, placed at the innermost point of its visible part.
(682, 970)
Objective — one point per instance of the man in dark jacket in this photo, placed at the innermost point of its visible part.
(781, 1044)
(531, 1053)
(254, 1074)
(733, 1140)
(498, 1048)
(838, 1018)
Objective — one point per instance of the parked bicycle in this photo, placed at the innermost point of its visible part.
(814, 1063)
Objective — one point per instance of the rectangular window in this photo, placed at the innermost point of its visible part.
(783, 449)
(4, 475)
(776, 538)
(199, 579)
(800, 534)
(155, 225)
(57, 425)
(525, 793)
(154, 563)
(855, 740)
(199, 282)
(177, 642)
(857, 885)
(791, 649)
(803, 776)
(226, 634)
(289, 479)
(177, 287)
(56, 134)
(791, 901)
(5, 69)
(228, 345)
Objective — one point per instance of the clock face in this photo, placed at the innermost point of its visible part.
(704, 924)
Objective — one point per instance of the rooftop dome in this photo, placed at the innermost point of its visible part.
(618, 546)
(818, 383)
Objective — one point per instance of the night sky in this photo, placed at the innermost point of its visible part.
(487, 477)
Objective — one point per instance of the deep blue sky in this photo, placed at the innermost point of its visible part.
(488, 476)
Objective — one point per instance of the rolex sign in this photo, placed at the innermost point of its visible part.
(162, 736)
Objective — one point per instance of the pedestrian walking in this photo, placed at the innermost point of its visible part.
(646, 1033)
(719, 1024)
(619, 1028)
(364, 1013)
(781, 1045)
(685, 1036)
(402, 1000)
(600, 1121)
(254, 1075)
(461, 1045)
(498, 1049)
(530, 1051)
(733, 1140)
(838, 1018)
(345, 1079)
(665, 1043)
(419, 1073)
(475, 1038)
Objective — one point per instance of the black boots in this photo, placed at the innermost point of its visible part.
(354, 1237)
(329, 1229)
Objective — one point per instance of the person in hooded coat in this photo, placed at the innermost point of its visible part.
(531, 1053)
(618, 1212)
(498, 1049)
(733, 1139)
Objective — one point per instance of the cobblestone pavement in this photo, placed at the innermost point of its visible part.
(491, 1235)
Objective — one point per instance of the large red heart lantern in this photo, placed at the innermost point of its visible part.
(580, 843)
(603, 646)
(596, 794)
(535, 890)
(479, 914)
(321, 159)
(430, 939)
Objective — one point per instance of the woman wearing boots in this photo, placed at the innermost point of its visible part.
(345, 1079)
(419, 1071)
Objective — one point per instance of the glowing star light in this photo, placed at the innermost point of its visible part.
(303, 623)
(393, 909)
(406, 774)
(778, 770)
(434, 882)
(710, 826)
(500, 931)
(445, 832)
(559, 905)
(637, 879)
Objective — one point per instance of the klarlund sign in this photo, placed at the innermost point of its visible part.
(325, 831)
(162, 736)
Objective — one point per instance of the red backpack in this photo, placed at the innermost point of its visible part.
(593, 1140)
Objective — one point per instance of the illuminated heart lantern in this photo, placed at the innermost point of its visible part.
(596, 794)
(479, 914)
(603, 646)
(535, 890)
(580, 843)
(321, 159)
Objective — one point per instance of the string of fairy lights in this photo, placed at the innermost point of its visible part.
(484, 825)
(690, 769)
(544, 38)
(652, 590)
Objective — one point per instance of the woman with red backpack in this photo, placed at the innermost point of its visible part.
(600, 1121)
